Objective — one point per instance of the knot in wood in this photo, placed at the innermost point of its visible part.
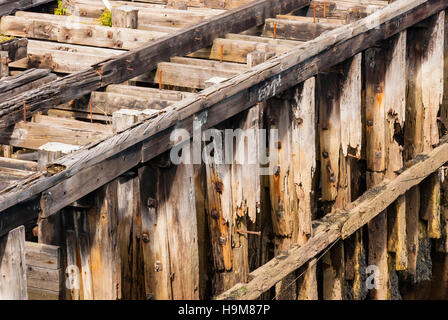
(145, 237)
(158, 266)
(325, 154)
(89, 32)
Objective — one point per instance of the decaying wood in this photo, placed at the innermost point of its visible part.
(340, 225)
(410, 12)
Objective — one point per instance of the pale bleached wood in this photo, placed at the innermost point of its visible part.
(13, 279)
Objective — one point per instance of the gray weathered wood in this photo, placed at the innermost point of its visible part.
(12, 265)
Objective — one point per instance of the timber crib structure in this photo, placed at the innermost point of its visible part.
(91, 206)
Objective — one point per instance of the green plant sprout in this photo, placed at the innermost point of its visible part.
(61, 10)
(106, 18)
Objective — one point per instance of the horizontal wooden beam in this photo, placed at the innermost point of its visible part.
(220, 102)
(7, 7)
(339, 225)
(145, 59)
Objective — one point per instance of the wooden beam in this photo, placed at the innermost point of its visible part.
(295, 30)
(242, 92)
(92, 35)
(131, 65)
(339, 225)
(7, 7)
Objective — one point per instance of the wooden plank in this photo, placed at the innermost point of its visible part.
(42, 278)
(109, 102)
(10, 83)
(33, 135)
(295, 30)
(234, 50)
(12, 266)
(154, 238)
(182, 75)
(93, 35)
(43, 255)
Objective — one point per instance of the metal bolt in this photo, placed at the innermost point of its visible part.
(215, 214)
(222, 241)
(151, 203)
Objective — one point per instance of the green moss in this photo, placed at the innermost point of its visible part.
(106, 18)
(61, 9)
(4, 38)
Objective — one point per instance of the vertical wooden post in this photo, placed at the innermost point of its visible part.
(340, 138)
(444, 106)
(425, 92)
(125, 17)
(282, 189)
(385, 110)
(127, 201)
(104, 248)
(13, 284)
(303, 134)
(154, 237)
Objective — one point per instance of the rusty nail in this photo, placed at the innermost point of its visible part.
(119, 43)
(370, 122)
(279, 144)
(299, 120)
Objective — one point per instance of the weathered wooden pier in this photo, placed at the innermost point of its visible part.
(93, 207)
